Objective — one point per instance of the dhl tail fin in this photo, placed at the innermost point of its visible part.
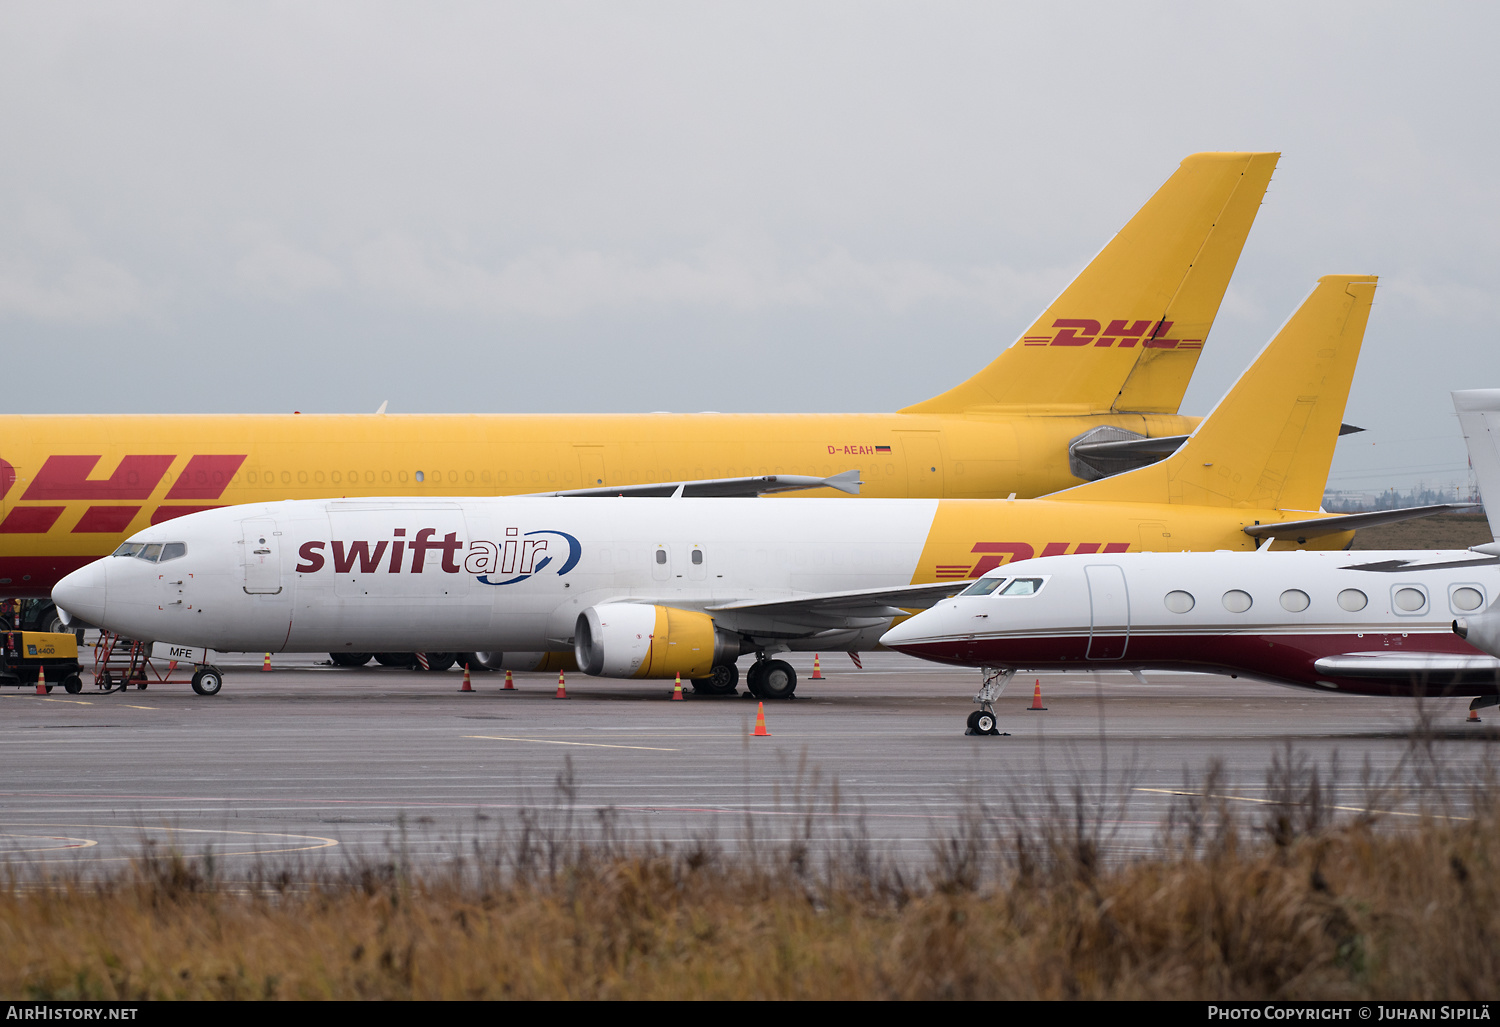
(1270, 440)
(1126, 335)
(1479, 417)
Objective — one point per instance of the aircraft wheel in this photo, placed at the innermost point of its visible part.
(72, 684)
(208, 681)
(778, 680)
(984, 724)
(441, 661)
(724, 679)
(350, 659)
(407, 660)
(972, 728)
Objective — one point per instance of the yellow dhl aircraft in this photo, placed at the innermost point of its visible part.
(1091, 388)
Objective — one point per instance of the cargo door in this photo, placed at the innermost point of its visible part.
(590, 466)
(923, 455)
(262, 541)
(1109, 612)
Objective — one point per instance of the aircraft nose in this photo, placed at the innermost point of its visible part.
(81, 594)
(914, 629)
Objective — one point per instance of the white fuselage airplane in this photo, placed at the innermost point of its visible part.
(1373, 623)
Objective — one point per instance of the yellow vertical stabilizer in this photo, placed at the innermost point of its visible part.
(1126, 334)
(1269, 442)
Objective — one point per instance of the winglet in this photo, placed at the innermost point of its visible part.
(1479, 416)
(1270, 440)
(846, 481)
(1126, 334)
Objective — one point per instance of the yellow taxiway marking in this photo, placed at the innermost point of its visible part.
(1273, 802)
(549, 741)
(76, 702)
(68, 843)
(141, 707)
(322, 843)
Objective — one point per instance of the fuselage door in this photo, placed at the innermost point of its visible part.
(262, 557)
(1109, 612)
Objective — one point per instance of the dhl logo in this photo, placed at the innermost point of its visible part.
(996, 553)
(66, 479)
(1121, 334)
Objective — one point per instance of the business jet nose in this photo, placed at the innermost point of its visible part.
(908, 632)
(81, 594)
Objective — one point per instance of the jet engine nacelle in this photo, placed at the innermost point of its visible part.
(1482, 630)
(543, 662)
(633, 640)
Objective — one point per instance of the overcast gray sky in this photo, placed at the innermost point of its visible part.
(698, 206)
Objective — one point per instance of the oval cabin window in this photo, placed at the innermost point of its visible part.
(1467, 599)
(1179, 601)
(1410, 600)
(1294, 600)
(1352, 600)
(1237, 601)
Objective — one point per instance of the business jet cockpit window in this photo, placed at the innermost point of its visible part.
(984, 586)
(1023, 587)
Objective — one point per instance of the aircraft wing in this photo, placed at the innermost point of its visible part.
(1436, 669)
(759, 485)
(1316, 526)
(874, 602)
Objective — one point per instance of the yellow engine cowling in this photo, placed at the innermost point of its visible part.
(633, 640)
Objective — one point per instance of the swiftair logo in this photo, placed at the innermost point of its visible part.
(515, 559)
(1121, 334)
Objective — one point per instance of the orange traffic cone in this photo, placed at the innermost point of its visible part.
(1036, 697)
(562, 691)
(760, 721)
(1474, 717)
(510, 685)
(41, 680)
(677, 689)
(267, 664)
(467, 687)
(817, 674)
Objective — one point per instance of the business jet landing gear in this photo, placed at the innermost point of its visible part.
(208, 680)
(724, 679)
(982, 721)
(771, 679)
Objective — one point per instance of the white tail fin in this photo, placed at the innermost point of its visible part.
(1479, 417)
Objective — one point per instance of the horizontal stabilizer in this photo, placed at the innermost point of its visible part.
(875, 602)
(721, 488)
(1161, 445)
(1316, 526)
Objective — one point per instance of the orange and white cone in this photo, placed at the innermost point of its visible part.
(1036, 697)
(760, 721)
(467, 687)
(266, 664)
(677, 689)
(817, 674)
(41, 680)
(510, 686)
(562, 689)
(1474, 716)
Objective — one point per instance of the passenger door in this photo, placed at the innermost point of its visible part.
(262, 556)
(1109, 612)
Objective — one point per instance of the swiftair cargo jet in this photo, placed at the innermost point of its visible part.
(1092, 387)
(652, 588)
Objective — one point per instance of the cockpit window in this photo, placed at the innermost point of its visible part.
(1023, 587)
(151, 552)
(171, 551)
(129, 549)
(983, 587)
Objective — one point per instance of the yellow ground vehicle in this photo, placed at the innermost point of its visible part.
(27, 654)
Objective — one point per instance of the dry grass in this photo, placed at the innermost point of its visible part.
(1291, 905)
(1447, 531)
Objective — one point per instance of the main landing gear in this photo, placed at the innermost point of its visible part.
(724, 679)
(982, 721)
(771, 679)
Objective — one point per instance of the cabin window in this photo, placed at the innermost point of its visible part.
(661, 556)
(697, 556)
(983, 587)
(1294, 600)
(1466, 599)
(171, 551)
(1179, 601)
(1352, 600)
(1023, 587)
(1409, 600)
(1237, 601)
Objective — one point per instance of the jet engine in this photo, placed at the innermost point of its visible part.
(1482, 630)
(633, 640)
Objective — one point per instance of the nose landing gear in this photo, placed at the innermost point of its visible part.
(982, 721)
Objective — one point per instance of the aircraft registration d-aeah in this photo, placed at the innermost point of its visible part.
(652, 588)
(1091, 388)
(1371, 623)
